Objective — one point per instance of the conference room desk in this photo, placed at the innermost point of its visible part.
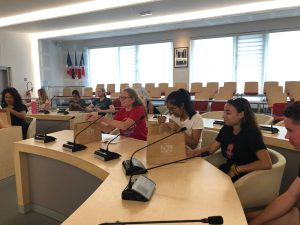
(54, 121)
(8, 136)
(193, 189)
(279, 143)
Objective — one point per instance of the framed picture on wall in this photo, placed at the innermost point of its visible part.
(181, 57)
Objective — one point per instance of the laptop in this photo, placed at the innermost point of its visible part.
(167, 150)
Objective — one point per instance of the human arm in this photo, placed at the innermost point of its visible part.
(111, 109)
(280, 206)
(193, 140)
(19, 114)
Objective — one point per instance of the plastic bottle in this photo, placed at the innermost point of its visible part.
(33, 107)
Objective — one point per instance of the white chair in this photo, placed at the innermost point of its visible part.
(263, 118)
(32, 126)
(257, 188)
(208, 137)
(213, 115)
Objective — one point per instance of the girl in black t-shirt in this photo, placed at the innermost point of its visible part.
(240, 140)
(11, 102)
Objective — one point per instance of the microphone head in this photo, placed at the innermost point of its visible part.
(182, 129)
(215, 220)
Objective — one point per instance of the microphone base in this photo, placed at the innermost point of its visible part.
(133, 167)
(43, 138)
(141, 189)
(73, 147)
(106, 155)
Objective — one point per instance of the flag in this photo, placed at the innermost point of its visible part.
(69, 65)
(81, 66)
(76, 67)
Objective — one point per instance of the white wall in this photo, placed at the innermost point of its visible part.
(15, 52)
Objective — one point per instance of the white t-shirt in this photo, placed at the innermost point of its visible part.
(195, 123)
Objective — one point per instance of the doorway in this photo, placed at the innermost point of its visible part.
(5, 78)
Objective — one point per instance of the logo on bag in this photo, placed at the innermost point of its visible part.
(166, 148)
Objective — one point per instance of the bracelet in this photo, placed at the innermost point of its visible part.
(234, 170)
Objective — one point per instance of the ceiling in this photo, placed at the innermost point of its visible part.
(131, 13)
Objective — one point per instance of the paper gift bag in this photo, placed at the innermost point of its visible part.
(167, 150)
(91, 134)
(5, 118)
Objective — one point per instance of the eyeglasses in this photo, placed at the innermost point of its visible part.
(123, 97)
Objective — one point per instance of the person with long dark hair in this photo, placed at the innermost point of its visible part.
(240, 140)
(130, 119)
(183, 115)
(11, 102)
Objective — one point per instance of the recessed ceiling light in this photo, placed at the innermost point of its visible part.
(145, 13)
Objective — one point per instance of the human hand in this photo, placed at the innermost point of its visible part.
(161, 119)
(174, 126)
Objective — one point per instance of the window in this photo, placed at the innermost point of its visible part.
(283, 57)
(212, 60)
(238, 58)
(132, 64)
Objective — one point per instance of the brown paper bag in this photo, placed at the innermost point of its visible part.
(5, 119)
(91, 134)
(167, 150)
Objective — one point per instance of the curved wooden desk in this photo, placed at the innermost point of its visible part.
(189, 190)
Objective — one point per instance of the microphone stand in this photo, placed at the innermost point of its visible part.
(134, 166)
(73, 146)
(211, 220)
(105, 154)
(44, 138)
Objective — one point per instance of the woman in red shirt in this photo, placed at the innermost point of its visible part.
(131, 118)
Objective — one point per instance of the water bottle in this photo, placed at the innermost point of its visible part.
(33, 107)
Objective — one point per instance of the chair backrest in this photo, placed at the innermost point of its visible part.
(263, 118)
(278, 110)
(205, 94)
(123, 86)
(213, 115)
(32, 126)
(290, 86)
(115, 95)
(149, 86)
(208, 137)
(67, 91)
(217, 106)
(213, 86)
(251, 88)
(230, 86)
(136, 85)
(179, 85)
(269, 85)
(259, 188)
(169, 90)
(195, 88)
(88, 91)
(155, 92)
(110, 88)
(163, 87)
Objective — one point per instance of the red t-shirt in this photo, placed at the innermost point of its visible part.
(139, 130)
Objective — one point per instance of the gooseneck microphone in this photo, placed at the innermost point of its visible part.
(214, 220)
(44, 138)
(72, 146)
(134, 166)
(105, 154)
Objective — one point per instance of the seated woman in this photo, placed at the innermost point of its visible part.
(103, 105)
(240, 140)
(76, 104)
(130, 119)
(43, 101)
(183, 115)
(11, 102)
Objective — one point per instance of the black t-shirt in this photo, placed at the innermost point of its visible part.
(16, 121)
(240, 149)
(104, 104)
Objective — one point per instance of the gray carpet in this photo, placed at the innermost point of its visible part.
(9, 214)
